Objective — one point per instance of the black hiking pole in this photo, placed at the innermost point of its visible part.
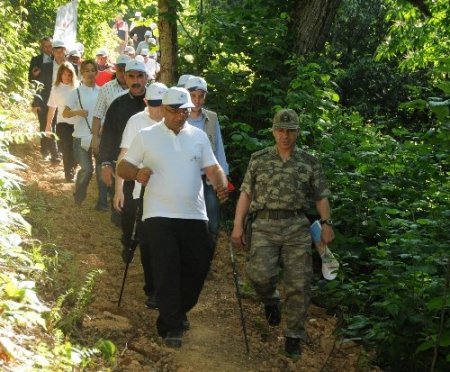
(128, 253)
(236, 282)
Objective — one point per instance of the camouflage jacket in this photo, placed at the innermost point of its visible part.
(289, 185)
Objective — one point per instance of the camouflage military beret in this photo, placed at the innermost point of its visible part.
(285, 118)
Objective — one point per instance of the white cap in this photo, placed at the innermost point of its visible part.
(138, 14)
(122, 59)
(155, 92)
(58, 44)
(182, 80)
(129, 49)
(178, 97)
(80, 47)
(153, 25)
(139, 58)
(144, 52)
(74, 53)
(148, 33)
(134, 65)
(196, 83)
(102, 52)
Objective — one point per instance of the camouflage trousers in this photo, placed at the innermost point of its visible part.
(285, 242)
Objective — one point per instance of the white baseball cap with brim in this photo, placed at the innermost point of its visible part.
(102, 52)
(74, 53)
(122, 60)
(196, 83)
(183, 79)
(133, 65)
(154, 94)
(144, 52)
(148, 33)
(177, 97)
(58, 44)
(129, 49)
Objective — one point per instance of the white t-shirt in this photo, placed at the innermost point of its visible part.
(59, 96)
(137, 122)
(152, 67)
(88, 96)
(175, 188)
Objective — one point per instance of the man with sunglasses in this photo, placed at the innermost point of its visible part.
(175, 224)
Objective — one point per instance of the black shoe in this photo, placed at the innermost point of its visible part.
(101, 208)
(273, 314)
(292, 347)
(150, 302)
(174, 338)
(55, 161)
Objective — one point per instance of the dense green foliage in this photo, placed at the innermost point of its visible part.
(25, 268)
(368, 110)
(385, 150)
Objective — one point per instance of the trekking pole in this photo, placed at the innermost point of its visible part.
(236, 283)
(128, 256)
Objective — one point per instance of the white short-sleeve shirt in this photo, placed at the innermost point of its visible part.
(88, 97)
(137, 122)
(107, 94)
(175, 188)
(59, 96)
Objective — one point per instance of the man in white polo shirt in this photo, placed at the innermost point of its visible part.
(175, 224)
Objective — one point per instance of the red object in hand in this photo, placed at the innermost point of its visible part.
(230, 187)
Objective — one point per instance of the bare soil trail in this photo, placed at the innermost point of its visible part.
(88, 241)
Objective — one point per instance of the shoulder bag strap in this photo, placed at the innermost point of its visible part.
(81, 105)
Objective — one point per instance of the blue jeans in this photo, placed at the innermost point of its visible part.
(103, 190)
(213, 211)
(84, 175)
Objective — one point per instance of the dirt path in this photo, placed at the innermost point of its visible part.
(214, 342)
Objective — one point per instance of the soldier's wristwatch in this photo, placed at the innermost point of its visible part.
(327, 222)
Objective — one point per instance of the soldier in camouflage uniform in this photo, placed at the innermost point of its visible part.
(278, 186)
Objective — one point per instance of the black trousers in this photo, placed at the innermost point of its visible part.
(128, 218)
(48, 144)
(65, 145)
(180, 255)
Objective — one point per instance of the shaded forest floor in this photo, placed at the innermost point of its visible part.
(86, 240)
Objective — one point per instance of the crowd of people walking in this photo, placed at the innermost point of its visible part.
(157, 145)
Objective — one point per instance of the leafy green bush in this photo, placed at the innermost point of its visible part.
(23, 316)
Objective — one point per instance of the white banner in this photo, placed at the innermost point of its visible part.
(66, 24)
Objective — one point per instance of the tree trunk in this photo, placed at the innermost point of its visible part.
(311, 23)
(167, 26)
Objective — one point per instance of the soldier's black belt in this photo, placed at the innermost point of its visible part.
(278, 214)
